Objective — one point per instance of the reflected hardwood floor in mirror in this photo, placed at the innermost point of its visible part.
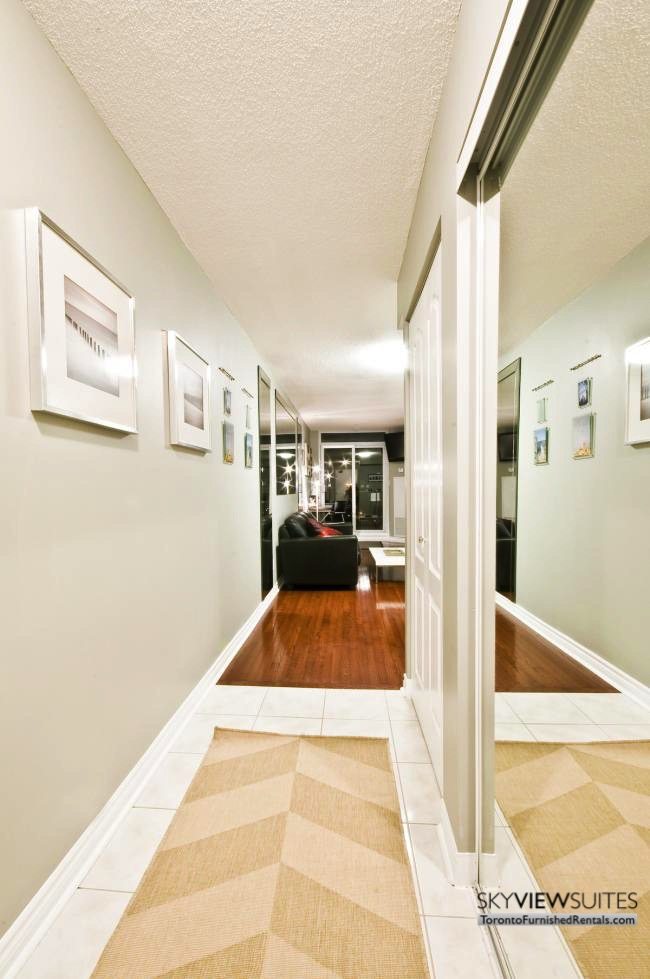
(526, 663)
(325, 638)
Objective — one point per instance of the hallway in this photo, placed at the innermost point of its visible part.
(325, 638)
(76, 939)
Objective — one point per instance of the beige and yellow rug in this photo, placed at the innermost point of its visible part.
(581, 814)
(286, 860)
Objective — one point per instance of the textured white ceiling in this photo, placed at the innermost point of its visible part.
(577, 198)
(285, 140)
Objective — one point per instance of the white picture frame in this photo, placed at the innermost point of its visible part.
(637, 415)
(189, 395)
(81, 331)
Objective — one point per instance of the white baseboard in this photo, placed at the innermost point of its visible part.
(461, 865)
(587, 657)
(31, 924)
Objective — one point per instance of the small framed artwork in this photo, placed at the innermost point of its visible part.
(542, 410)
(248, 450)
(583, 436)
(249, 417)
(189, 395)
(584, 392)
(637, 428)
(81, 331)
(541, 446)
(227, 401)
(228, 443)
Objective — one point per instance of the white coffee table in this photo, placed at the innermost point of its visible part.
(387, 557)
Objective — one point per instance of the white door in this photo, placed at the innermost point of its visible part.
(425, 359)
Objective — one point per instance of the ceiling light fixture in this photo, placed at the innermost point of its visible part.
(384, 356)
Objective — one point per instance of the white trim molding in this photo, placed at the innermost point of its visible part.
(462, 865)
(24, 934)
(607, 671)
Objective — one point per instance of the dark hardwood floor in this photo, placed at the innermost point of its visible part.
(526, 663)
(355, 639)
(322, 638)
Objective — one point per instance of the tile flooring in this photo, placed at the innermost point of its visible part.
(569, 717)
(458, 948)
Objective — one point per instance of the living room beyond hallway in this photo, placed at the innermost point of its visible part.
(328, 638)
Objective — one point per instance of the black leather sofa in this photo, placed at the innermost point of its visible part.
(307, 559)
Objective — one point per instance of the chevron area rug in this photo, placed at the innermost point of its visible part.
(581, 814)
(286, 860)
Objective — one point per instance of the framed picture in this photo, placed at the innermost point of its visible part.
(542, 410)
(541, 446)
(248, 450)
(584, 392)
(189, 395)
(249, 416)
(583, 436)
(507, 445)
(81, 331)
(228, 442)
(227, 401)
(637, 428)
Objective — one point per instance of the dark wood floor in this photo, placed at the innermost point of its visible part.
(319, 638)
(526, 663)
(355, 639)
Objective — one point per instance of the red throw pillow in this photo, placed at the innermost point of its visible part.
(327, 532)
(320, 530)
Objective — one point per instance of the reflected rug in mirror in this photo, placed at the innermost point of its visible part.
(581, 815)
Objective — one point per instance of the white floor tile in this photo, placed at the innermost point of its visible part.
(439, 897)
(420, 793)
(534, 952)
(293, 702)
(545, 708)
(459, 949)
(355, 704)
(361, 729)
(171, 780)
(288, 725)
(73, 944)
(511, 871)
(199, 732)
(610, 708)
(228, 699)
(566, 732)
(400, 707)
(126, 856)
(625, 732)
(512, 732)
(499, 818)
(409, 742)
(503, 712)
(537, 952)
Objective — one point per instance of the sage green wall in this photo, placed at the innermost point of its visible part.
(583, 536)
(126, 566)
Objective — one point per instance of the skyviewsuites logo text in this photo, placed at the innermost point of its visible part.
(492, 901)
